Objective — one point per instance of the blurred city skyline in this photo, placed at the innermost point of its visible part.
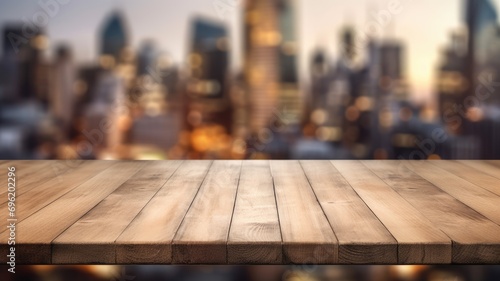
(260, 79)
(422, 26)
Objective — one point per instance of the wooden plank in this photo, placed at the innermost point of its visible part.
(149, 237)
(255, 236)
(118, 212)
(35, 233)
(482, 166)
(475, 238)
(307, 235)
(479, 199)
(202, 236)
(39, 172)
(91, 239)
(48, 191)
(471, 175)
(495, 163)
(27, 175)
(419, 241)
(362, 237)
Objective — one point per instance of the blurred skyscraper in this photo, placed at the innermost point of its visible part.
(63, 97)
(208, 113)
(483, 53)
(291, 105)
(147, 58)
(113, 38)
(353, 92)
(208, 59)
(481, 105)
(452, 82)
(482, 22)
(10, 63)
(262, 40)
(35, 68)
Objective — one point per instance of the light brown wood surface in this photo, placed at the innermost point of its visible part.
(148, 238)
(202, 236)
(479, 244)
(307, 235)
(362, 237)
(419, 240)
(102, 225)
(255, 212)
(255, 236)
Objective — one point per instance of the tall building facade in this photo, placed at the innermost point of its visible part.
(10, 62)
(290, 102)
(482, 72)
(483, 52)
(113, 38)
(270, 68)
(62, 97)
(452, 84)
(208, 109)
(481, 19)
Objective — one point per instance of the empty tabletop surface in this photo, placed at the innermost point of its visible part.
(253, 212)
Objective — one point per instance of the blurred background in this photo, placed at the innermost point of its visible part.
(253, 273)
(250, 79)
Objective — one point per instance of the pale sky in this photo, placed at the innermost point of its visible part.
(423, 25)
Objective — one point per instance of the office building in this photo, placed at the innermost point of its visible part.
(113, 39)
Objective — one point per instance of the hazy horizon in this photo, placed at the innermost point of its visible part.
(422, 26)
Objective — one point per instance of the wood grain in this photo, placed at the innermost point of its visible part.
(148, 238)
(419, 241)
(479, 244)
(202, 236)
(494, 162)
(362, 237)
(471, 175)
(27, 172)
(255, 218)
(256, 212)
(479, 199)
(307, 235)
(47, 191)
(91, 239)
(36, 233)
(483, 166)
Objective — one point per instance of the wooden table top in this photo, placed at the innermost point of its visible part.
(254, 212)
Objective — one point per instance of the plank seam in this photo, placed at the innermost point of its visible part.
(32, 171)
(277, 211)
(369, 208)
(188, 209)
(130, 222)
(319, 203)
(415, 207)
(76, 186)
(55, 238)
(469, 165)
(459, 178)
(36, 184)
(232, 213)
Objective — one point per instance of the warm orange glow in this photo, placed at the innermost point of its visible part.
(364, 103)
(434, 157)
(319, 116)
(381, 154)
(407, 272)
(475, 114)
(352, 114)
(210, 138)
